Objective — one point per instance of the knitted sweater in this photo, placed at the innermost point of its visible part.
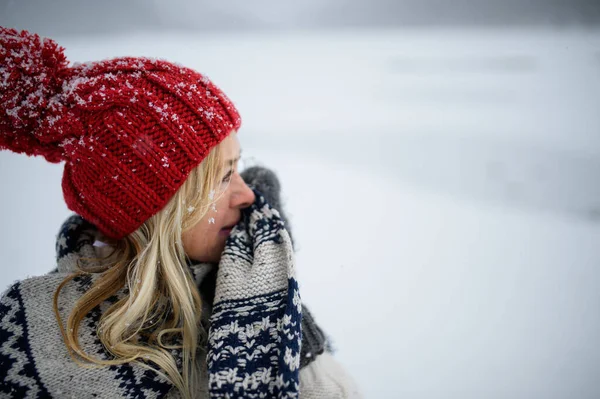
(34, 362)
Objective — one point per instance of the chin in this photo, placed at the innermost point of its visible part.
(209, 255)
(215, 255)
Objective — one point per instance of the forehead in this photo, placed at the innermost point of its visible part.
(230, 147)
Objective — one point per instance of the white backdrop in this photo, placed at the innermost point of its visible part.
(442, 186)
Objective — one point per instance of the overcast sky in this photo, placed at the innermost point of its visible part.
(61, 17)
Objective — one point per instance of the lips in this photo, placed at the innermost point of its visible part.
(230, 226)
(225, 231)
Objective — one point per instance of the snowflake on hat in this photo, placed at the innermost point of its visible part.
(129, 129)
(32, 72)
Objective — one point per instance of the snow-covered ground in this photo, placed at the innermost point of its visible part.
(443, 188)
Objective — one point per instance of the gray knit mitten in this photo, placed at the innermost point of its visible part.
(266, 182)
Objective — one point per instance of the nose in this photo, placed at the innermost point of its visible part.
(242, 195)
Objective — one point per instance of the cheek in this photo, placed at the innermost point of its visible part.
(205, 230)
(211, 223)
(203, 242)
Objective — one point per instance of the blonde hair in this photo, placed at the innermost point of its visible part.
(162, 302)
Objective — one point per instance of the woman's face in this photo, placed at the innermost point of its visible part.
(205, 241)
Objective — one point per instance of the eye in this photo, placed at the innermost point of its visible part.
(227, 177)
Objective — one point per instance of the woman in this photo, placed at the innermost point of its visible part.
(175, 278)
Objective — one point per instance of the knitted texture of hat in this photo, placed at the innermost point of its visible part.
(129, 130)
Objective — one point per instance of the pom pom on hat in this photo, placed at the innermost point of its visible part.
(129, 129)
(31, 74)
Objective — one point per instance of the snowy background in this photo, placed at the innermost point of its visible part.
(442, 178)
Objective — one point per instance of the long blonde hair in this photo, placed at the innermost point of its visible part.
(162, 302)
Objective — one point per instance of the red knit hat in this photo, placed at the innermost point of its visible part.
(130, 130)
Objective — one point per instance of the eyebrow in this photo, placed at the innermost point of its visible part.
(232, 161)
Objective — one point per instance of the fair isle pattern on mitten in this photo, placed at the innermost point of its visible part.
(255, 336)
